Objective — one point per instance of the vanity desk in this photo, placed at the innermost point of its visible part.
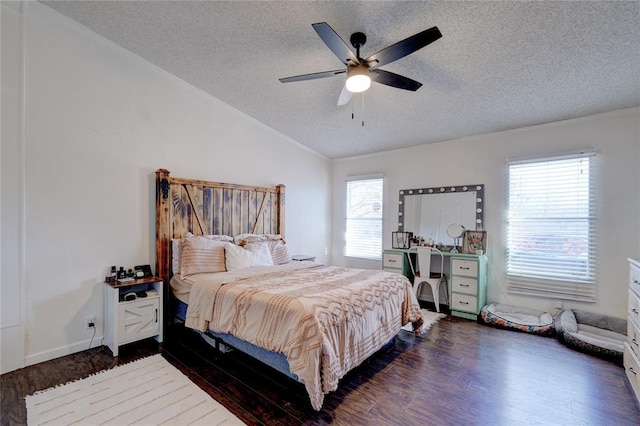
(466, 279)
(431, 214)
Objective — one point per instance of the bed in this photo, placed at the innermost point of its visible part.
(310, 321)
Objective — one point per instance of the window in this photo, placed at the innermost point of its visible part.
(363, 236)
(551, 227)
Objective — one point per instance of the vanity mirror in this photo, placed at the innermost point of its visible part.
(428, 212)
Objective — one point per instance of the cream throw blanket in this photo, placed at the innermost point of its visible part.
(326, 320)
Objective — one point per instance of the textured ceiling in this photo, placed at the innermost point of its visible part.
(498, 65)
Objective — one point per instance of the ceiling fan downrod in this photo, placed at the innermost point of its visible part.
(358, 40)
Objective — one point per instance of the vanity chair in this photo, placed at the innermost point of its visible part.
(424, 274)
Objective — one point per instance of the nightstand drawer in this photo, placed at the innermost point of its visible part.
(464, 285)
(463, 302)
(464, 267)
(392, 260)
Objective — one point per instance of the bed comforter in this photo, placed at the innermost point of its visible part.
(326, 320)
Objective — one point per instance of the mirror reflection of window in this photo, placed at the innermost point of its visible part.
(429, 215)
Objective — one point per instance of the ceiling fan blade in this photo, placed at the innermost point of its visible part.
(403, 48)
(345, 96)
(335, 43)
(394, 80)
(311, 76)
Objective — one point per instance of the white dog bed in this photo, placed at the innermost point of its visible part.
(517, 318)
(592, 333)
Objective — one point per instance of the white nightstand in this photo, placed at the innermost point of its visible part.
(303, 257)
(128, 321)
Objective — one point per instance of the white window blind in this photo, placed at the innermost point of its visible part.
(551, 227)
(363, 236)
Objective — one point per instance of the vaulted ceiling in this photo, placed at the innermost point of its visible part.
(499, 65)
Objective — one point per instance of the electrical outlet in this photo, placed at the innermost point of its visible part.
(89, 321)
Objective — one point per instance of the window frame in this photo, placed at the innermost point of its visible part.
(554, 268)
(375, 253)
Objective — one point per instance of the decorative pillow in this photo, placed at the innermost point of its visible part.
(277, 245)
(237, 257)
(177, 242)
(279, 252)
(200, 254)
(262, 253)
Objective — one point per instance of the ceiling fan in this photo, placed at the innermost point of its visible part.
(360, 72)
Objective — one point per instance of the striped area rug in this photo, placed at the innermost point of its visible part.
(149, 391)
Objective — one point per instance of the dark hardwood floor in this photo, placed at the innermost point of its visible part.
(459, 373)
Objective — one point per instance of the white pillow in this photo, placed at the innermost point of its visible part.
(262, 253)
(212, 237)
(237, 257)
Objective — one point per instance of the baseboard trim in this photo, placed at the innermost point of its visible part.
(58, 352)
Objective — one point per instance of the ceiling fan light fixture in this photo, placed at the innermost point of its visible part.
(358, 79)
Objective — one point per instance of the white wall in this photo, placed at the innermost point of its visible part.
(99, 122)
(11, 313)
(482, 159)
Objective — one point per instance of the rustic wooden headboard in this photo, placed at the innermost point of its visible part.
(203, 208)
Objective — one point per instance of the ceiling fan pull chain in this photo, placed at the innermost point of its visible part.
(362, 109)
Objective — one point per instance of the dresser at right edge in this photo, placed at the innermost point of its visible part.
(632, 345)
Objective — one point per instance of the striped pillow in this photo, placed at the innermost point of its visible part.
(279, 252)
(199, 255)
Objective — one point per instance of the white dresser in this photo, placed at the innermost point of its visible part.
(632, 346)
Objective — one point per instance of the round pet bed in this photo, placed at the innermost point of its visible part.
(592, 333)
(516, 318)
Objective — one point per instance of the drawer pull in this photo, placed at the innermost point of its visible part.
(156, 314)
(466, 268)
(464, 285)
(631, 369)
(391, 260)
(636, 281)
(635, 311)
(464, 303)
(634, 342)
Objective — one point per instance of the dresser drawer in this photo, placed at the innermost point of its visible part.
(464, 267)
(464, 285)
(632, 369)
(633, 337)
(634, 278)
(634, 307)
(463, 302)
(392, 260)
